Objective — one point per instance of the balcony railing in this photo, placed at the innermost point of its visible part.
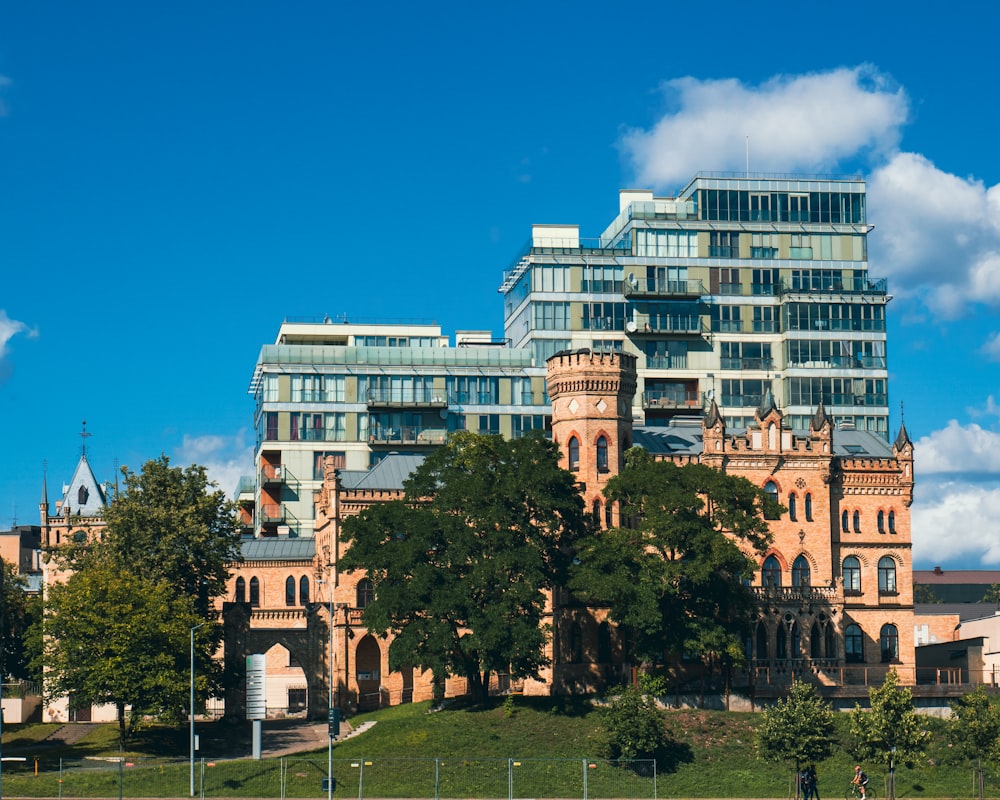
(272, 513)
(747, 363)
(666, 362)
(646, 287)
(397, 398)
(275, 474)
(841, 362)
(671, 399)
(408, 434)
(688, 324)
(835, 285)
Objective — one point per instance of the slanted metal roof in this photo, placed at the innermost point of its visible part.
(280, 549)
(388, 474)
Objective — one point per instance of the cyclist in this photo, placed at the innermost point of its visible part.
(860, 780)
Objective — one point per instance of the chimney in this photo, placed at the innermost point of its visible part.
(938, 571)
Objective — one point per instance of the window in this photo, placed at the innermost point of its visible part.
(726, 319)
(801, 572)
(489, 424)
(791, 507)
(296, 700)
(319, 461)
(881, 521)
(573, 448)
(886, 575)
(254, 592)
(854, 644)
(851, 573)
(892, 522)
(289, 591)
(724, 244)
(809, 507)
(303, 590)
(602, 454)
(241, 590)
(857, 522)
(365, 593)
(770, 573)
(889, 641)
(843, 523)
(765, 320)
(772, 490)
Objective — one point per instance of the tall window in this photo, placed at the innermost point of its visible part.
(881, 521)
(892, 522)
(289, 591)
(857, 522)
(844, 523)
(792, 511)
(772, 489)
(303, 590)
(241, 590)
(602, 454)
(854, 644)
(770, 573)
(254, 592)
(573, 448)
(365, 593)
(851, 573)
(889, 641)
(887, 575)
(809, 507)
(801, 572)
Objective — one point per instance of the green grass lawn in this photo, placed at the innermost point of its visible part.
(547, 747)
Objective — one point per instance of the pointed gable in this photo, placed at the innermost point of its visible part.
(83, 495)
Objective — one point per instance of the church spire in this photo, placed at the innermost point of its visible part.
(767, 405)
(820, 418)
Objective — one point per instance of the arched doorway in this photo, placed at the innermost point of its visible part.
(368, 665)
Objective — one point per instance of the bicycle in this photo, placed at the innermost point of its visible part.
(853, 792)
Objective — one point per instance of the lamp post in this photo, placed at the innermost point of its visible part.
(331, 720)
(191, 707)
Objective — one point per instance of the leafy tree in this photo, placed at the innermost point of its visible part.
(890, 730)
(173, 523)
(992, 594)
(460, 567)
(974, 729)
(120, 637)
(633, 726)
(798, 729)
(17, 612)
(672, 575)
(922, 593)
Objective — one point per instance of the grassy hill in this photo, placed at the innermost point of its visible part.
(551, 741)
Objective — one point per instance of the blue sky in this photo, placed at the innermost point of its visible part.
(176, 178)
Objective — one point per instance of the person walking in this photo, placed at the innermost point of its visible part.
(812, 782)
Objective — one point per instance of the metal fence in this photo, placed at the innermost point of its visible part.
(304, 777)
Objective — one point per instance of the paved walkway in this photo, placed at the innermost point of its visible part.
(307, 736)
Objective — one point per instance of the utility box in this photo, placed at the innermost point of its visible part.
(329, 784)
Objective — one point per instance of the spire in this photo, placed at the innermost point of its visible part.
(767, 405)
(45, 485)
(84, 435)
(820, 418)
(902, 438)
(713, 417)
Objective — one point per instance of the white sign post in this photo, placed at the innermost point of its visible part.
(256, 697)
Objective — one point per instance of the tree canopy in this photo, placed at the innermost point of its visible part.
(118, 630)
(974, 729)
(798, 729)
(676, 573)
(461, 566)
(890, 729)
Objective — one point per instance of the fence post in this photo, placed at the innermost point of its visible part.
(60, 778)
(584, 779)
(510, 779)
(437, 778)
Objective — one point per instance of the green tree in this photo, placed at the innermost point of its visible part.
(922, 593)
(672, 575)
(798, 729)
(18, 611)
(461, 566)
(992, 594)
(974, 730)
(890, 731)
(116, 636)
(633, 726)
(173, 523)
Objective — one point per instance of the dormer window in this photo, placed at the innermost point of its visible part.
(82, 496)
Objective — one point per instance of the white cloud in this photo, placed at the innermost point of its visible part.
(958, 449)
(957, 523)
(225, 458)
(8, 329)
(991, 348)
(789, 123)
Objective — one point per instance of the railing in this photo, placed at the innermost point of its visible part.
(747, 363)
(796, 593)
(832, 285)
(406, 397)
(646, 287)
(408, 434)
(666, 362)
(274, 473)
(645, 323)
(669, 399)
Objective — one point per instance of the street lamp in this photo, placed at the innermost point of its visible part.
(191, 707)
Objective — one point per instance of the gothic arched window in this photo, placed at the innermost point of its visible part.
(365, 593)
(303, 590)
(809, 507)
(772, 489)
(844, 523)
(851, 572)
(889, 641)
(241, 590)
(254, 592)
(857, 522)
(289, 591)
(887, 575)
(573, 449)
(602, 454)
(792, 510)
(800, 572)
(770, 573)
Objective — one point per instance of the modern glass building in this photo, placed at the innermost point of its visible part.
(740, 284)
(360, 391)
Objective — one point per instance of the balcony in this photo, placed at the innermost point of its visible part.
(654, 287)
(274, 475)
(408, 434)
(836, 285)
(687, 324)
(747, 363)
(273, 514)
(671, 400)
(405, 398)
(667, 362)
